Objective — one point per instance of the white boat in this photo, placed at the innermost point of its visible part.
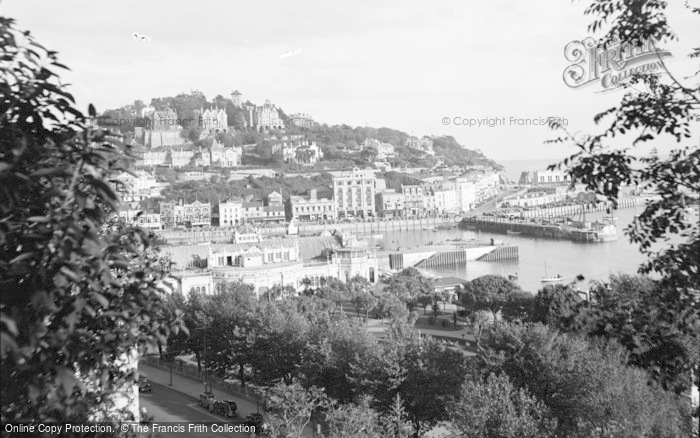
(550, 280)
(513, 232)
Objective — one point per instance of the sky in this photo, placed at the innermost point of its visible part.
(404, 64)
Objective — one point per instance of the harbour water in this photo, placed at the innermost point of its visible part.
(595, 261)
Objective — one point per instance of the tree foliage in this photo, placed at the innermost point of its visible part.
(588, 388)
(80, 293)
(488, 292)
(654, 111)
(495, 408)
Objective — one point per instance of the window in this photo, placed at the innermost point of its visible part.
(269, 257)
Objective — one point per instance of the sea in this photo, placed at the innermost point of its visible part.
(538, 257)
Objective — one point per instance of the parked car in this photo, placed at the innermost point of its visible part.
(206, 400)
(144, 384)
(256, 420)
(225, 408)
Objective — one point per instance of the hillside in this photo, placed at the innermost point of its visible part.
(338, 142)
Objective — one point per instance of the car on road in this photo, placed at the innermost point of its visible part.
(144, 384)
(225, 408)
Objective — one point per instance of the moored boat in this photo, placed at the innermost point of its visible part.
(514, 232)
(550, 280)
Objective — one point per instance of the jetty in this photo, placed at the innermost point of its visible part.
(433, 256)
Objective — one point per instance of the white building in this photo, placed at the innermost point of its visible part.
(301, 120)
(137, 186)
(446, 200)
(304, 151)
(181, 157)
(151, 157)
(550, 177)
(200, 281)
(311, 207)
(149, 220)
(390, 203)
(230, 213)
(385, 151)
(293, 261)
(466, 194)
(198, 214)
(258, 212)
(354, 193)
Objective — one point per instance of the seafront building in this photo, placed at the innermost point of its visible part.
(266, 263)
(312, 208)
(230, 212)
(354, 193)
(196, 214)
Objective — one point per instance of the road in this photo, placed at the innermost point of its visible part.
(168, 405)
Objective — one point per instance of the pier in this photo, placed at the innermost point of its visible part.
(571, 210)
(522, 225)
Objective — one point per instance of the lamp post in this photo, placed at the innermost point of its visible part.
(170, 366)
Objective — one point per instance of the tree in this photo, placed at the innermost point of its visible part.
(353, 420)
(517, 306)
(230, 329)
(395, 420)
(488, 292)
(80, 292)
(629, 310)
(335, 349)
(291, 407)
(360, 295)
(389, 305)
(408, 284)
(239, 121)
(558, 306)
(279, 344)
(434, 372)
(335, 291)
(495, 408)
(587, 387)
(655, 110)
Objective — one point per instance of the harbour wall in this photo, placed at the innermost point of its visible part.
(218, 235)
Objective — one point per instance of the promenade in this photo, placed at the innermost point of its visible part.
(160, 373)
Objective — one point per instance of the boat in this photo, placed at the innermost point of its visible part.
(550, 280)
(514, 233)
(583, 231)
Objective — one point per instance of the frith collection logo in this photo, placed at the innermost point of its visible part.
(610, 64)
